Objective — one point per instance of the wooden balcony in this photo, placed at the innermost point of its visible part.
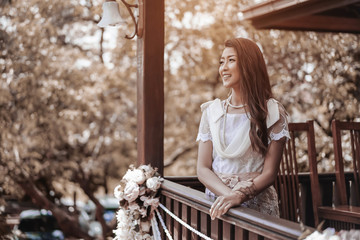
(184, 196)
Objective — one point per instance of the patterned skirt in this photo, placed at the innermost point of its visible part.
(265, 202)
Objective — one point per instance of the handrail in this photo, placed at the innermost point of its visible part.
(265, 225)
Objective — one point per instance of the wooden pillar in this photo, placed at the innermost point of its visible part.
(150, 87)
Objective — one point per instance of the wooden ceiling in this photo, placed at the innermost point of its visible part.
(306, 15)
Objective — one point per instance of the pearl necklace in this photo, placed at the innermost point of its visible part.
(234, 106)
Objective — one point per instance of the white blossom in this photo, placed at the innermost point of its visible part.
(145, 226)
(153, 183)
(131, 191)
(150, 201)
(119, 192)
(135, 175)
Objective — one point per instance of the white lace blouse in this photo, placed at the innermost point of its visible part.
(251, 161)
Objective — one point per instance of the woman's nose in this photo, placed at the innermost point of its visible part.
(225, 65)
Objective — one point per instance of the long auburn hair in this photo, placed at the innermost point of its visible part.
(255, 89)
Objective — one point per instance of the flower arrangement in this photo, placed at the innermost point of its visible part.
(331, 234)
(137, 194)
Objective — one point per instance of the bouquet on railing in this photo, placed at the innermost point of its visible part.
(137, 194)
(330, 234)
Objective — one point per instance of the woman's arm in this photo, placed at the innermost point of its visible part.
(205, 173)
(211, 181)
(261, 182)
(271, 165)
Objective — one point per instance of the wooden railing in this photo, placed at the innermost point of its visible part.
(185, 197)
(192, 206)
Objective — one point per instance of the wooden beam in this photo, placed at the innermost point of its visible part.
(150, 87)
(273, 12)
(319, 23)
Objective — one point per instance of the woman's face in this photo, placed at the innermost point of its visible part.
(229, 69)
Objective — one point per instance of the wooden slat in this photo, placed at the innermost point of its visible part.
(170, 221)
(185, 216)
(205, 226)
(254, 236)
(177, 226)
(241, 233)
(339, 165)
(228, 231)
(195, 223)
(216, 229)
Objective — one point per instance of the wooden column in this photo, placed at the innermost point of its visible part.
(150, 87)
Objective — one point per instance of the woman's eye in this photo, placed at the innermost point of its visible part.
(232, 60)
(221, 62)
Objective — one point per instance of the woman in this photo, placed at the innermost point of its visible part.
(241, 139)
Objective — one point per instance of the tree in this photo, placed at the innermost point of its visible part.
(65, 118)
(68, 91)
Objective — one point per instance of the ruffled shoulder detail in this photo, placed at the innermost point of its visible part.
(273, 112)
(206, 105)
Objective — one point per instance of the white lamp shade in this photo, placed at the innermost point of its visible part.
(111, 15)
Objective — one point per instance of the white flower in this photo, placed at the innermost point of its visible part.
(149, 201)
(145, 226)
(327, 234)
(131, 191)
(147, 237)
(123, 227)
(135, 175)
(153, 183)
(121, 216)
(148, 170)
(121, 233)
(119, 192)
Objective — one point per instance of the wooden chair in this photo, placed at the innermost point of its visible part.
(287, 183)
(345, 212)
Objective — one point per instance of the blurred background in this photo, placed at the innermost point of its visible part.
(68, 93)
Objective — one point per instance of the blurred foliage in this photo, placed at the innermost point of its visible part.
(65, 115)
(68, 88)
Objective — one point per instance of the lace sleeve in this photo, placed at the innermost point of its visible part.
(204, 133)
(280, 128)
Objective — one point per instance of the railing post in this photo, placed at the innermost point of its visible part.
(150, 87)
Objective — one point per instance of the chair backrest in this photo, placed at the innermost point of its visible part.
(346, 138)
(287, 183)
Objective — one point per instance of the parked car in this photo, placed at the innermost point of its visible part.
(39, 225)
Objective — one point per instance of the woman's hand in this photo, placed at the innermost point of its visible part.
(223, 203)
